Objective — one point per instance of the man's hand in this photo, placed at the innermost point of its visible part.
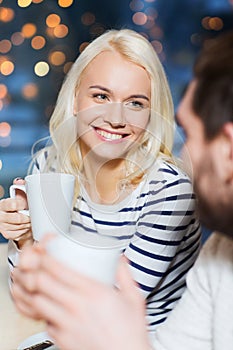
(81, 313)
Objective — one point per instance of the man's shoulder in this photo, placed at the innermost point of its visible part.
(216, 256)
(218, 243)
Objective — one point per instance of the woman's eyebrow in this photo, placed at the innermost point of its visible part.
(100, 87)
(110, 91)
(140, 96)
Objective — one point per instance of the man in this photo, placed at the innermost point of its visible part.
(83, 314)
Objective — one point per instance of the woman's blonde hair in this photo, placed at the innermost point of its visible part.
(157, 139)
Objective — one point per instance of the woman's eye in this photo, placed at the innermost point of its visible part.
(135, 104)
(100, 97)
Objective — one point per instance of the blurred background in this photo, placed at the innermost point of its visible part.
(40, 39)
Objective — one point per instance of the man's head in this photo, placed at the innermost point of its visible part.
(206, 115)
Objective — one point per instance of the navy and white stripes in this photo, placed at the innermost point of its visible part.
(161, 236)
(157, 227)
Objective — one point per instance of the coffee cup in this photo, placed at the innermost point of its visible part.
(93, 255)
(50, 199)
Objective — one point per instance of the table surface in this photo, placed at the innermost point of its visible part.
(14, 328)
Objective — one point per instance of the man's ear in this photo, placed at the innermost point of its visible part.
(227, 132)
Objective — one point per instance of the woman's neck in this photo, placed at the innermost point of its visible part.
(103, 181)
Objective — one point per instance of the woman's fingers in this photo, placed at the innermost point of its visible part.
(12, 204)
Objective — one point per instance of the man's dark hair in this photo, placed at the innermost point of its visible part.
(213, 96)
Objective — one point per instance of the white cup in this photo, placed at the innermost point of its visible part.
(50, 199)
(92, 255)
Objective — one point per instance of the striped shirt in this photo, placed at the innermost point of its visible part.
(157, 227)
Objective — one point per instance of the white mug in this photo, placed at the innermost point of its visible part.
(50, 199)
(93, 256)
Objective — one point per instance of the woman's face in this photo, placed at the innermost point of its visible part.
(112, 106)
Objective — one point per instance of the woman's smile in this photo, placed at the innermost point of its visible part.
(110, 136)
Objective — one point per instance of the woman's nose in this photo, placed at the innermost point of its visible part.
(115, 115)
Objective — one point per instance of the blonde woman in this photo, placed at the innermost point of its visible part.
(112, 128)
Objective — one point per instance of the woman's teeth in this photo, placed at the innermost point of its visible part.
(108, 135)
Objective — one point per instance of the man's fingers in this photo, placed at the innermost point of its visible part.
(126, 283)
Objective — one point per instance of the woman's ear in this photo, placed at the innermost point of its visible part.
(75, 112)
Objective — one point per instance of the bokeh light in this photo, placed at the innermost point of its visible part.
(3, 91)
(38, 42)
(97, 29)
(6, 14)
(5, 46)
(50, 32)
(17, 38)
(136, 5)
(5, 141)
(67, 67)
(30, 91)
(83, 46)
(28, 30)
(157, 46)
(5, 129)
(88, 18)
(212, 23)
(139, 18)
(216, 23)
(41, 68)
(24, 3)
(57, 58)
(156, 33)
(7, 67)
(61, 31)
(53, 20)
(65, 3)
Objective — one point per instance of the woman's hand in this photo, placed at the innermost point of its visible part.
(81, 313)
(14, 225)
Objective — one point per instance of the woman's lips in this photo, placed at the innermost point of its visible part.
(109, 136)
